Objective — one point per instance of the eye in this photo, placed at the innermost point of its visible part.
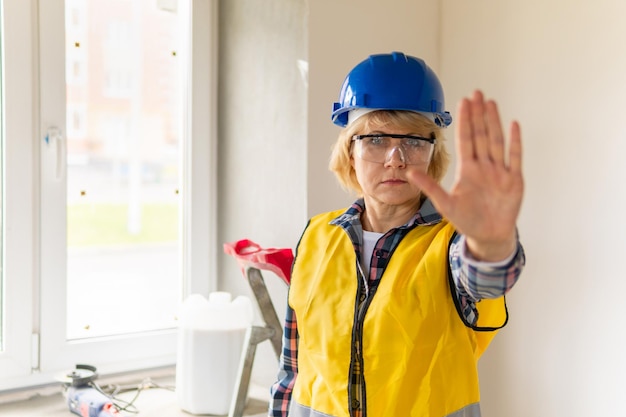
(376, 140)
(415, 143)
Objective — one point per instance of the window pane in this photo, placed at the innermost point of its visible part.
(123, 167)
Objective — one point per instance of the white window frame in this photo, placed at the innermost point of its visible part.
(34, 322)
(19, 214)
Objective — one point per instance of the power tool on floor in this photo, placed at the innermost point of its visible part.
(83, 396)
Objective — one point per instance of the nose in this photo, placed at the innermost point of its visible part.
(395, 157)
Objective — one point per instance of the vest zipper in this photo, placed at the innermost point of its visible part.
(357, 339)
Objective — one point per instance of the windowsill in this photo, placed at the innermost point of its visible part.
(152, 402)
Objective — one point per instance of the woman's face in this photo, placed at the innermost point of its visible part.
(389, 182)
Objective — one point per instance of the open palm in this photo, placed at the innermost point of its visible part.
(485, 199)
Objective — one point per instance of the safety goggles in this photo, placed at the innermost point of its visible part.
(379, 147)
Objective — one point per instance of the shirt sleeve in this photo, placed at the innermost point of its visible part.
(477, 280)
(287, 368)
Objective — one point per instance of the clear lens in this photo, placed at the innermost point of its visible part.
(411, 150)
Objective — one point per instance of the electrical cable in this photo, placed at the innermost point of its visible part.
(78, 382)
(113, 392)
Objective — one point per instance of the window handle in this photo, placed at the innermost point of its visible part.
(54, 138)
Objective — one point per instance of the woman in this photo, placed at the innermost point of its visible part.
(393, 300)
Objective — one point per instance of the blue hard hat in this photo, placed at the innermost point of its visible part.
(392, 81)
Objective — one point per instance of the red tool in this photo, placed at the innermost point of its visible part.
(249, 254)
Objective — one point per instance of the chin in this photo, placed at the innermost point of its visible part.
(400, 200)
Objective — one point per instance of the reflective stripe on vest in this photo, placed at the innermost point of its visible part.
(297, 410)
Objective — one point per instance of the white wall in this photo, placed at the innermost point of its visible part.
(555, 65)
(261, 140)
(558, 66)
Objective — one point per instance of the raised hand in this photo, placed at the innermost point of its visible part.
(485, 199)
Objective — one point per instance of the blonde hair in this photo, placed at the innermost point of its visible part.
(414, 122)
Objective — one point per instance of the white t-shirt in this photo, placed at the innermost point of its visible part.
(369, 242)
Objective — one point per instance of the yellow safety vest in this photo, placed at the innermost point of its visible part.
(419, 358)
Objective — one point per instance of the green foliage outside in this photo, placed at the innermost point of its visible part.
(106, 224)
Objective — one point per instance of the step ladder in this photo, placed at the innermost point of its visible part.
(252, 259)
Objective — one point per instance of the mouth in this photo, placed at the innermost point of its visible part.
(394, 181)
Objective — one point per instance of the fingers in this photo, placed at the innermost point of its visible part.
(480, 135)
(515, 149)
(479, 128)
(496, 138)
(435, 192)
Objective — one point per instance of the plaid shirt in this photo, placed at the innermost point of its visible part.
(474, 281)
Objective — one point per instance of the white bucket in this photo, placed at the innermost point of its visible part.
(210, 342)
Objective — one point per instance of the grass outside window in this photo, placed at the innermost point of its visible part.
(107, 224)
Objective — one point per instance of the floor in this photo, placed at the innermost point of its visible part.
(157, 401)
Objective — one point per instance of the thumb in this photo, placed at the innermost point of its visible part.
(435, 192)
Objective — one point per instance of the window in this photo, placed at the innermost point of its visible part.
(107, 223)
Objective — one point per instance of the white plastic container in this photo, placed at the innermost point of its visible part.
(210, 342)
